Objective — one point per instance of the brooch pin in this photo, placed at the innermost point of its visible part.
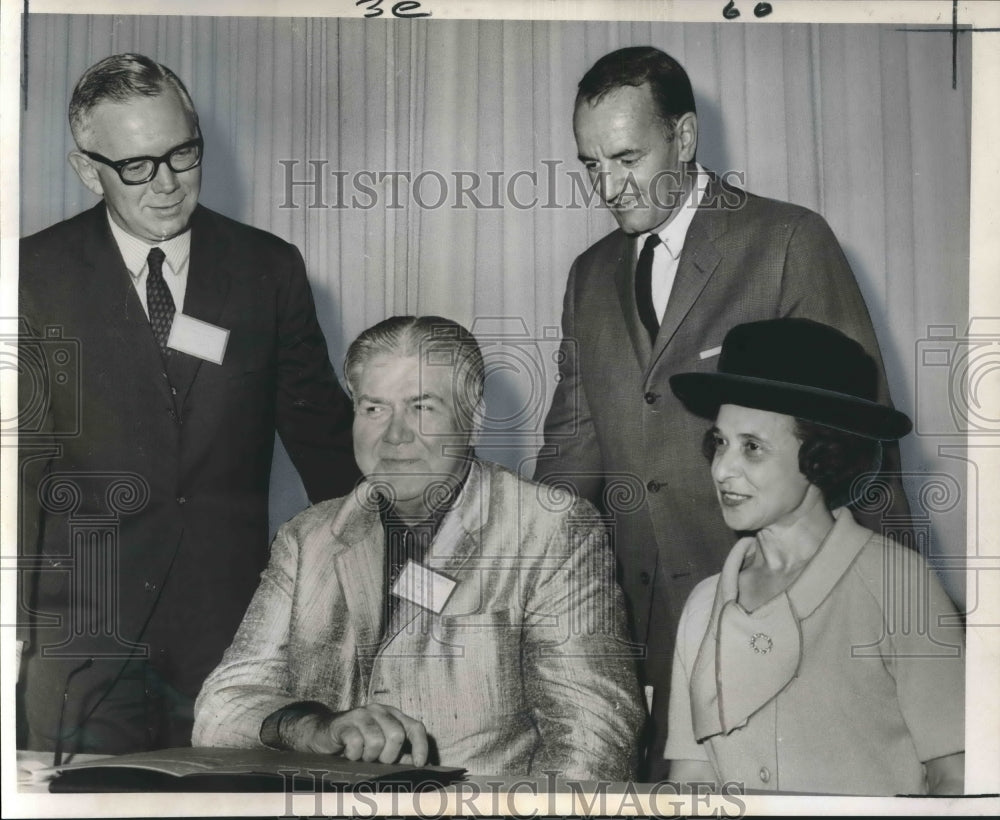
(761, 643)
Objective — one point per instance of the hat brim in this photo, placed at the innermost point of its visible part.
(704, 393)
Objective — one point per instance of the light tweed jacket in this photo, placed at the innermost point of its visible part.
(524, 670)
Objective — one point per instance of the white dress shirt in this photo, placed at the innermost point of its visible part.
(667, 254)
(175, 267)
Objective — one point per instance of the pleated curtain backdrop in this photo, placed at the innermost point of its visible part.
(858, 122)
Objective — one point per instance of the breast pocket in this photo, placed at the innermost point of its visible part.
(251, 350)
(250, 361)
(253, 374)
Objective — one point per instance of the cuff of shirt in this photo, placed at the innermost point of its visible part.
(271, 734)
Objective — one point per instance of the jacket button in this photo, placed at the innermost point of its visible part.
(149, 587)
(181, 499)
(765, 774)
(650, 398)
(653, 486)
(644, 577)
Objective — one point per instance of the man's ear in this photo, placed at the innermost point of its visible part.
(686, 134)
(86, 171)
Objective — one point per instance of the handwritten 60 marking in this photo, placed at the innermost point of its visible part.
(730, 12)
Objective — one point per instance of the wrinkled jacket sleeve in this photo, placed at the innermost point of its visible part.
(578, 666)
(253, 679)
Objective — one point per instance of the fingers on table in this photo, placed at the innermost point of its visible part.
(377, 732)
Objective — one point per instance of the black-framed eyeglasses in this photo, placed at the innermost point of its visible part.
(140, 170)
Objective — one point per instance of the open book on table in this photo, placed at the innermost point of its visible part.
(242, 770)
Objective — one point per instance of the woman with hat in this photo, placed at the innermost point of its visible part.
(823, 658)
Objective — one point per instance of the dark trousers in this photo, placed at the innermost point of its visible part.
(111, 706)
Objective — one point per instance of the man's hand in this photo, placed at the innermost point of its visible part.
(372, 732)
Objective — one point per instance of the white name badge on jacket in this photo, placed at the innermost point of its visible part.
(423, 586)
(198, 338)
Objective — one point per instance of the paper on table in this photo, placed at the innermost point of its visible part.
(252, 764)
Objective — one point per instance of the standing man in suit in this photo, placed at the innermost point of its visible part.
(692, 257)
(447, 609)
(144, 493)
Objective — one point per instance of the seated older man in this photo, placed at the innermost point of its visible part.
(448, 611)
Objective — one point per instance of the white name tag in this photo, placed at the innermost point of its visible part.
(198, 338)
(708, 354)
(423, 586)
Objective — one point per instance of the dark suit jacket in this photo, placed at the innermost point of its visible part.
(176, 459)
(618, 433)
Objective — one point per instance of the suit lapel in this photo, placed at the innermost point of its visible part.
(699, 259)
(110, 288)
(116, 305)
(698, 262)
(456, 541)
(207, 288)
(625, 284)
(359, 544)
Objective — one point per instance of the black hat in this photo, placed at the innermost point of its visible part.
(797, 367)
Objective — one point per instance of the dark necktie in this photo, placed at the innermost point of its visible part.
(159, 302)
(404, 543)
(644, 287)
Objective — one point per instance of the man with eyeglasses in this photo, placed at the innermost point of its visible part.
(182, 341)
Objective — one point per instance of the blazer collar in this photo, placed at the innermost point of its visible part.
(209, 269)
(624, 261)
(110, 284)
(358, 544)
(211, 266)
(747, 658)
(209, 276)
(699, 260)
(109, 288)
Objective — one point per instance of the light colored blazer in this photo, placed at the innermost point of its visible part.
(525, 669)
(845, 683)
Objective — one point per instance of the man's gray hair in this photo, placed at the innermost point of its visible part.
(435, 341)
(121, 78)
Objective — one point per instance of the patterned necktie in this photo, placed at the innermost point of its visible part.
(644, 287)
(159, 302)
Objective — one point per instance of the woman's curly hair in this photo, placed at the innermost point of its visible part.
(829, 458)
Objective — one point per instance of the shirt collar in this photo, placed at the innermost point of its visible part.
(389, 516)
(673, 233)
(134, 250)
